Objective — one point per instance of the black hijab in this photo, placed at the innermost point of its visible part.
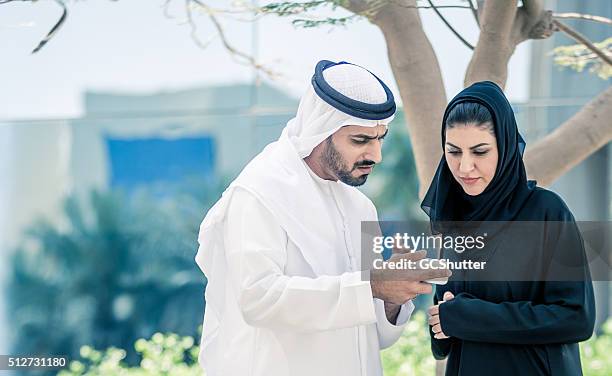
(506, 194)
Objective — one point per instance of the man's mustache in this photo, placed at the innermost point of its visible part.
(364, 163)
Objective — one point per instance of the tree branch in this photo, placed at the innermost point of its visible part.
(465, 42)
(543, 28)
(438, 7)
(583, 40)
(572, 142)
(532, 22)
(479, 7)
(474, 12)
(166, 7)
(581, 16)
(533, 8)
(356, 6)
(194, 27)
(55, 27)
(365, 8)
(431, 6)
(370, 8)
(241, 57)
(291, 8)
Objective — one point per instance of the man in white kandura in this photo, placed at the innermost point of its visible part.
(281, 248)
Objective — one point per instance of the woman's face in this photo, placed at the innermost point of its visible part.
(471, 155)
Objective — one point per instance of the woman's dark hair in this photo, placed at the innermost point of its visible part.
(470, 113)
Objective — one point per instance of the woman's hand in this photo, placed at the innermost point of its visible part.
(434, 317)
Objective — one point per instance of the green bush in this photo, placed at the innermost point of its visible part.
(163, 354)
(595, 353)
(411, 354)
(170, 354)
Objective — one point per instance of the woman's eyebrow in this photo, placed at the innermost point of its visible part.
(481, 144)
(471, 148)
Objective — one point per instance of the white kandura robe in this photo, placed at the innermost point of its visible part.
(282, 319)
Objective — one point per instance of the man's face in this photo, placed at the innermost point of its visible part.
(351, 153)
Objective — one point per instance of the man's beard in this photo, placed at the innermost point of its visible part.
(333, 160)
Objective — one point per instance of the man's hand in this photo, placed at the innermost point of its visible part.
(397, 286)
(434, 317)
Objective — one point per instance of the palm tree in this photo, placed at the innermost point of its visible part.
(121, 268)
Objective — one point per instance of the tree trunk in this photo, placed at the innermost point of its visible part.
(418, 76)
(572, 142)
(494, 49)
(440, 367)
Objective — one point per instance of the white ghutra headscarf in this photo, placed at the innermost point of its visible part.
(316, 119)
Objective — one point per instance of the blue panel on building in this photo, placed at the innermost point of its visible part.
(135, 162)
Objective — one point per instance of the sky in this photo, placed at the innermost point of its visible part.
(132, 46)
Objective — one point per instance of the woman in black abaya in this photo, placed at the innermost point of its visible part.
(529, 323)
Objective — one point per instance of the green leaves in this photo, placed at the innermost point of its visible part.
(411, 354)
(292, 9)
(595, 353)
(578, 57)
(341, 21)
(162, 354)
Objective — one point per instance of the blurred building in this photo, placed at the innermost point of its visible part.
(129, 140)
(126, 141)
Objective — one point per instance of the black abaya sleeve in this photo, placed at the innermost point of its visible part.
(567, 316)
(562, 311)
(439, 347)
